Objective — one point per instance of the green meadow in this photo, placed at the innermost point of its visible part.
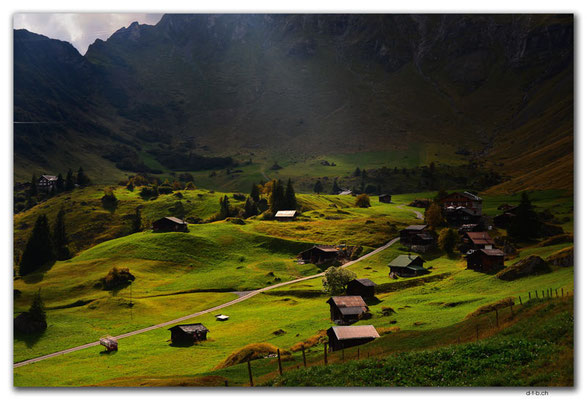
(178, 274)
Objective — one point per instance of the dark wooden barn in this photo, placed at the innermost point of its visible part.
(485, 260)
(341, 337)
(319, 254)
(385, 198)
(170, 224)
(407, 265)
(361, 287)
(458, 216)
(347, 309)
(407, 234)
(188, 333)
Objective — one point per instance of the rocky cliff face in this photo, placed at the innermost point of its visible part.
(319, 82)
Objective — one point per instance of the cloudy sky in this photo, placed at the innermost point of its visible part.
(80, 30)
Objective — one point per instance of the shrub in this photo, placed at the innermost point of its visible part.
(363, 201)
(117, 278)
(335, 280)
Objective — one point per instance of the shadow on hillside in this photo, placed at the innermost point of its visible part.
(182, 344)
(29, 339)
(372, 301)
(38, 275)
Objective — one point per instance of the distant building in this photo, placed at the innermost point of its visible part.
(319, 254)
(170, 224)
(409, 232)
(457, 216)
(347, 309)
(470, 228)
(346, 192)
(407, 265)
(47, 182)
(285, 215)
(465, 200)
(423, 242)
(188, 333)
(504, 220)
(477, 241)
(361, 287)
(485, 260)
(341, 337)
(385, 198)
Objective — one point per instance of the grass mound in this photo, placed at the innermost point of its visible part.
(510, 301)
(312, 341)
(558, 239)
(250, 352)
(532, 265)
(563, 257)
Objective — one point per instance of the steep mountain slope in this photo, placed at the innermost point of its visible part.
(294, 86)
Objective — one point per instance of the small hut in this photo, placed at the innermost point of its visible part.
(361, 287)
(485, 260)
(285, 215)
(347, 309)
(341, 337)
(188, 333)
(407, 265)
(319, 254)
(110, 343)
(170, 224)
(385, 198)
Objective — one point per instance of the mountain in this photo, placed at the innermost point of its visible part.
(195, 89)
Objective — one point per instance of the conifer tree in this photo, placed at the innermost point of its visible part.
(69, 180)
(290, 196)
(357, 172)
(33, 189)
(82, 178)
(224, 208)
(318, 187)
(136, 220)
(250, 208)
(60, 185)
(276, 197)
(335, 188)
(37, 310)
(39, 249)
(255, 193)
(60, 237)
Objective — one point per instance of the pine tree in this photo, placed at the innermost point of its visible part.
(335, 188)
(318, 187)
(33, 189)
(255, 193)
(69, 180)
(224, 208)
(276, 197)
(525, 224)
(179, 210)
(60, 237)
(60, 185)
(357, 172)
(37, 310)
(250, 208)
(136, 220)
(82, 178)
(38, 250)
(290, 202)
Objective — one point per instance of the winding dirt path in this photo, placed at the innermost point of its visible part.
(242, 298)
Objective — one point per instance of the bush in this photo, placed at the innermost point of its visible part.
(117, 278)
(335, 280)
(363, 201)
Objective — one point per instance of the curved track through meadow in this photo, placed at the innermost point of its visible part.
(197, 314)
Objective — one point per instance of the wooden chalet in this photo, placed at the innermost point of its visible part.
(485, 260)
(361, 287)
(465, 200)
(406, 235)
(504, 220)
(478, 240)
(341, 337)
(385, 198)
(407, 265)
(458, 216)
(285, 215)
(319, 254)
(347, 309)
(188, 333)
(423, 242)
(47, 182)
(170, 224)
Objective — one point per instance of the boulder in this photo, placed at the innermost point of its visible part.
(531, 265)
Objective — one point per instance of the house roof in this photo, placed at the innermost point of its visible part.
(190, 328)
(416, 268)
(354, 332)
(365, 282)
(330, 249)
(174, 220)
(480, 238)
(404, 260)
(415, 227)
(347, 301)
(345, 192)
(49, 177)
(468, 195)
(285, 213)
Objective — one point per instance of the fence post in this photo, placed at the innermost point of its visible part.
(529, 296)
(496, 317)
(250, 373)
(562, 295)
(536, 291)
(279, 362)
(325, 355)
(556, 292)
(304, 356)
(226, 383)
(543, 294)
(520, 299)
